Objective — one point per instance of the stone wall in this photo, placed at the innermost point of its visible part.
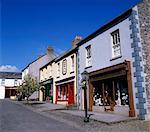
(144, 19)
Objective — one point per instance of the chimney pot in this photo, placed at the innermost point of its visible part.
(76, 41)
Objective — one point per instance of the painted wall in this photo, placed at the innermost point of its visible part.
(25, 72)
(101, 50)
(131, 50)
(68, 74)
(11, 82)
(2, 92)
(8, 83)
(34, 67)
(46, 73)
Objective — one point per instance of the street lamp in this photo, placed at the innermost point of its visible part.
(84, 80)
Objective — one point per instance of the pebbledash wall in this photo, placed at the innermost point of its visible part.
(132, 43)
(144, 23)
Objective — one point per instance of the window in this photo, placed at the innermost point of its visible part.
(64, 67)
(88, 56)
(58, 69)
(3, 82)
(116, 49)
(15, 82)
(63, 92)
(72, 63)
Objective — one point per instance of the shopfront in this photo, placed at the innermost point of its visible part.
(111, 88)
(10, 92)
(65, 93)
(47, 90)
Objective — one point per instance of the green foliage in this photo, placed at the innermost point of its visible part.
(28, 86)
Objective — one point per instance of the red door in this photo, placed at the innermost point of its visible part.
(71, 93)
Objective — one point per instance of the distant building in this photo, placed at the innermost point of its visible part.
(33, 68)
(8, 84)
(59, 77)
(46, 81)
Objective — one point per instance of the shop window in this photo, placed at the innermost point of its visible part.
(62, 93)
(3, 82)
(88, 56)
(116, 48)
(72, 64)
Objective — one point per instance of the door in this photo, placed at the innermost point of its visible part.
(71, 93)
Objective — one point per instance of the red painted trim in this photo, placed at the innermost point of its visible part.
(56, 94)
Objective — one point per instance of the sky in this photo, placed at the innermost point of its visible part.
(27, 27)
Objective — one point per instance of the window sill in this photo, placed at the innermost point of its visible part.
(71, 72)
(115, 58)
(88, 67)
(61, 100)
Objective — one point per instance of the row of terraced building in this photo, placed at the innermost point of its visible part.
(117, 60)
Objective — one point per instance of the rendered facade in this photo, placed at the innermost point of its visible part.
(114, 58)
(8, 84)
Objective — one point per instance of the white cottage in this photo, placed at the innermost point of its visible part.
(8, 84)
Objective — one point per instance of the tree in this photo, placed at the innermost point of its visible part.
(28, 87)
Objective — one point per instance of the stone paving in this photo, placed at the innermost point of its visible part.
(98, 116)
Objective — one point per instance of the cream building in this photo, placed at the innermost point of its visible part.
(46, 81)
(65, 87)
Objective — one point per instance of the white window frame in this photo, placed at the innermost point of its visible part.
(116, 46)
(15, 82)
(72, 63)
(3, 82)
(58, 69)
(88, 56)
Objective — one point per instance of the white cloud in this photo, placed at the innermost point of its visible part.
(8, 68)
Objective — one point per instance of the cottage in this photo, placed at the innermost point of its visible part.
(8, 84)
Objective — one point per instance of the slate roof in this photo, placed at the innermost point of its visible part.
(11, 75)
(68, 52)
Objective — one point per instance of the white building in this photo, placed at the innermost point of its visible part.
(113, 57)
(8, 84)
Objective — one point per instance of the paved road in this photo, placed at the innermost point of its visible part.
(16, 118)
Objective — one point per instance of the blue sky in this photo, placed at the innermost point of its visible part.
(29, 26)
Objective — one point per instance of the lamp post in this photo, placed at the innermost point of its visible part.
(84, 80)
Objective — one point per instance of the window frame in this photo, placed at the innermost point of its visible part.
(116, 43)
(58, 69)
(88, 56)
(3, 82)
(72, 64)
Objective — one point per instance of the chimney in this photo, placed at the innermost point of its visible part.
(76, 41)
(49, 50)
(39, 56)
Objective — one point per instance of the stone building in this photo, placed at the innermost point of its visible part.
(144, 23)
